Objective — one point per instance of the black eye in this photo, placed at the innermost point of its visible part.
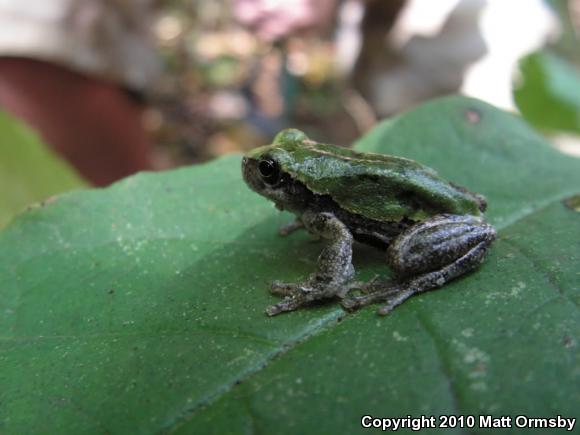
(269, 171)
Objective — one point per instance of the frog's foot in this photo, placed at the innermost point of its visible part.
(392, 294)
(382, 292)
(300, 294)
(291, 303)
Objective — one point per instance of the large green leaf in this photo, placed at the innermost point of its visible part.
(140, 308)
(29, 172)
(548, 93)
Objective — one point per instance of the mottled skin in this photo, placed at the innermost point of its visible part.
(433, 230)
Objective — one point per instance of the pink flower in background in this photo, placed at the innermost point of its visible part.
(273, 19)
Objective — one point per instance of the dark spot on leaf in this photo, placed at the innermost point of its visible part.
(50, 200)
(567, 341)
(42, 204)
(473, 116)
(573, 203)
(111, 291)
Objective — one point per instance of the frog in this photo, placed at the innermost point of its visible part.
(432, 230)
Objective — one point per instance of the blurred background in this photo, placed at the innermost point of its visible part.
(94, 90)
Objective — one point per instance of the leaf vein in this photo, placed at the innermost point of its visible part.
(322, 325)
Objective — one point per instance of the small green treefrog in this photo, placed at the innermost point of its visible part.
(433, 230)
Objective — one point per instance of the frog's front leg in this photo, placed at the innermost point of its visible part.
(428, 255)
(334, 267)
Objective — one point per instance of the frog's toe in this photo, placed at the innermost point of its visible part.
(349, 288)
(386, 309)
(274, 310)
(368, 287)
(281, 288)
(356, 302)
(289, 289)
(288, 304)
(352, 303)
(372, 296)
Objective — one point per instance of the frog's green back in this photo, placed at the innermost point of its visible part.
(381, 187)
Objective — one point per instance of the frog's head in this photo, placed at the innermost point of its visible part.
(265, 170)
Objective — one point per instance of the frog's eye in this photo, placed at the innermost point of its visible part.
(269, 171)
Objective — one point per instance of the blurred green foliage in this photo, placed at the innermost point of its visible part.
(549, 93)
(29, 171)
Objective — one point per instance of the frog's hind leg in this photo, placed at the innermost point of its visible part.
(427, 256)
(435, 279)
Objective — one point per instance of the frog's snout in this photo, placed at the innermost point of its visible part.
(245, 165)
(249, 173)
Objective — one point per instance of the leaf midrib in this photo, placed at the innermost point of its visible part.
(334, 317)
